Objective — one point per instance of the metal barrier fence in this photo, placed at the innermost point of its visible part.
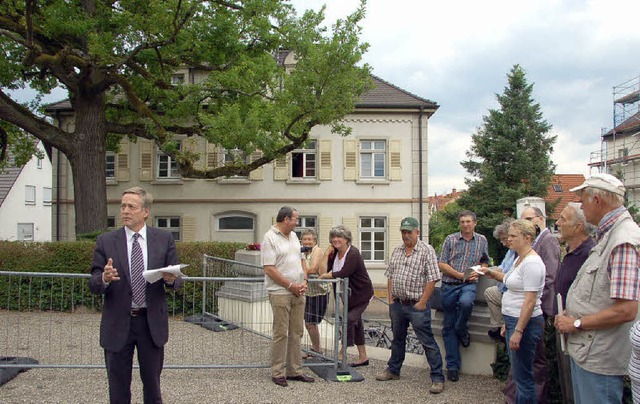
(220, 320)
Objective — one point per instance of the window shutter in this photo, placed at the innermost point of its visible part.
(258, 173)
(281, 168)
(350, 159)
(324, 149)
(146, 159)
(119, 222)
(325, 223)
(395, 161)
(189, 228)
(213, 156)
(393, 234)
(351, 223)
(122, 170)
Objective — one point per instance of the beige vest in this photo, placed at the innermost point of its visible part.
(604, 352)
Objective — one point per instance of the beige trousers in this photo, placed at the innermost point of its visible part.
(288, 329)
(494, 301)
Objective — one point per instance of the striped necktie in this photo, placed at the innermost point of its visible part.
(137, 267)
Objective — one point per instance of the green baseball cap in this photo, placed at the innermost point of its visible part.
(409, 223)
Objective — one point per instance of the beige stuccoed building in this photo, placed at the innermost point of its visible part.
(368, 181)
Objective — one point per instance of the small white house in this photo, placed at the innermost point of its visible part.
(25, 200)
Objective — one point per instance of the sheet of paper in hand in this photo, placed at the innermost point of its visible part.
(154, 275)
(472, 270)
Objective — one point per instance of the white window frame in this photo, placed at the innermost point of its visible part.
(178, 79)
(233, 215)
(23, 235)
(47, 196)
(373, 152)
(308, 157)
(164, 162)
(29, 195)
(110, 163)
(306, 223)
(229, 156)
(165, 223)
(39, 164)
(373, 238)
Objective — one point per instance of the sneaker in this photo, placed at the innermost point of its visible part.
(465, 340)
(387, 375)
(494, 334)
(436, 388)
(452, 375)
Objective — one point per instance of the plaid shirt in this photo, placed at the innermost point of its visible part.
(461, 253)
(623, 262)
(409, 274)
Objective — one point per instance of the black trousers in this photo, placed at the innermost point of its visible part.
(120, 364)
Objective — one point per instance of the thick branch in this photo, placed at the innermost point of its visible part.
(20, 116)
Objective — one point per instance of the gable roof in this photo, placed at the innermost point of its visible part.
(8, 177)
(559, 189)
(387, 95)
(383, 95)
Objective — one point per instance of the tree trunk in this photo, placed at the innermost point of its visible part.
(87, 161)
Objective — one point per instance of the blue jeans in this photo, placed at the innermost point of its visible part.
(589, 387)
(401, 315)
(457, 303)
(522, 359)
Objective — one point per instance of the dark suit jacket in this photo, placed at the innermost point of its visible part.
(548, 248)
(114, 327)
(359, 281)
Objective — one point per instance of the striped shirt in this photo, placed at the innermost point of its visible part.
(623, 262)
(461, 254)
(410, 273)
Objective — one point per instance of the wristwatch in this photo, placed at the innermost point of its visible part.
(578, 324)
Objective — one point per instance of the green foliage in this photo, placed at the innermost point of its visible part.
(66, 294)
(443, 223)
(117, 60)
(509, 158)
(501, 365)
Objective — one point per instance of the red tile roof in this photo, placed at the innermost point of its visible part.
(559, 188)
(438, 202)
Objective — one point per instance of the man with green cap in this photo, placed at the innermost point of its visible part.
(412, 275)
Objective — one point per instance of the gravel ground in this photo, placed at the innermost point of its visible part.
(20, 336)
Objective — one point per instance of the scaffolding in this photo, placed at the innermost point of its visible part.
(619, 152)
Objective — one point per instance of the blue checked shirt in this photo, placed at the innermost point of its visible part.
(462, 254)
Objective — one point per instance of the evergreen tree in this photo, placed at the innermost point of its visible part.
(510, 156)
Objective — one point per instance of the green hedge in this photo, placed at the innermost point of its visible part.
(48, 293)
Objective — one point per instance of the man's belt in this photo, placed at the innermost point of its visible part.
(452, 283)
(138, 312)
(407, 302)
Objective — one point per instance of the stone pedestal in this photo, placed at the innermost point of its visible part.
(246, 303)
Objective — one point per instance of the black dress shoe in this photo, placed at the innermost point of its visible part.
(356, 365)
(494, 334)
(301, 378)
(452, 375)
(280, 381)
(465, 340)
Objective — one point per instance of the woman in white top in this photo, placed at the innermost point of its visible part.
(524, 324)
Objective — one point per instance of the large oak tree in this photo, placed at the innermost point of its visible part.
(116, 59)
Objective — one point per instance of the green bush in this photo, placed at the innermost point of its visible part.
(66, 294)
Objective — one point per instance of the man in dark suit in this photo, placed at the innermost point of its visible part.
(134, 313)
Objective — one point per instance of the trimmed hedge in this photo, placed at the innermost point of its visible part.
(48, 293)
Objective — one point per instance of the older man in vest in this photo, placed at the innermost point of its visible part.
(603, 299)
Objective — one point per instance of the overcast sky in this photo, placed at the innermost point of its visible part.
(458, 53)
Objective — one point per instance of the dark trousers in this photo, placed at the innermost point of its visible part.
(120, 365)
(355, 328)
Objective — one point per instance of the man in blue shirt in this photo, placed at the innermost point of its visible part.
(460, 251)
